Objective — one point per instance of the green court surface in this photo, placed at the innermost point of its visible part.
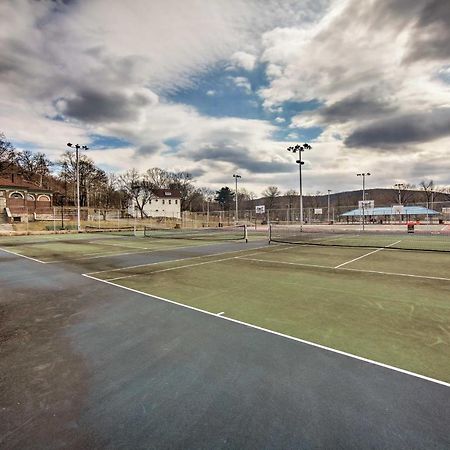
(390, 306)
(62, 248)
(370, 307)
(69, 247)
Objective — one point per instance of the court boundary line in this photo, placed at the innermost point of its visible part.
(367, 254)
(173, 260)
(276, 333)
(168, 269)
(411, 275)
(23, 256)
(128, 253)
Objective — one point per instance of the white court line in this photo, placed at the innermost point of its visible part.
(244, 258)
(286, 336)
(174, 260)
(23, 256)
(173, 268)
(367, 254)
(426, 277)
(106, 255)
(118, 245)
(221, 313)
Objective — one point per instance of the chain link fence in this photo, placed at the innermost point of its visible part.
(57, 219)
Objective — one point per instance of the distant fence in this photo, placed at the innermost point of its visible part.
(58, 218)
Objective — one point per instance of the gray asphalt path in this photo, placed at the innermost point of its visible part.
(89, 365)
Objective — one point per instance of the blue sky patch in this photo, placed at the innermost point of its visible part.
(101, 142)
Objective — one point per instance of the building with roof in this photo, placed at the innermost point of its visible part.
(393, 213)
(164, 203)
(21, 200)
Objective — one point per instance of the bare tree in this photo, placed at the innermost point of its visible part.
(182, 182)
(270, 194)
(90, 174)
(33, 164)
(8, 154)
(138, 188)
(428, 188)
(159, 178)
(403, 193)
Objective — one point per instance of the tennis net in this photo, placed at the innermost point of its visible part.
(230, 233)
(424, 237)
(120, 231)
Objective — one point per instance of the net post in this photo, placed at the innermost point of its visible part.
(245, 233)
(270, 233)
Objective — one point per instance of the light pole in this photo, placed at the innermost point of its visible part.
(77, 153)
(236, 176)
(399, 186)
(208, 199)
(329, 192)
(363, 175)
(300, 149)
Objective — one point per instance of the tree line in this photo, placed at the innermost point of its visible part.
(102, 190)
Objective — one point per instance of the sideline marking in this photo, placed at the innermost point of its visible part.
(173, 268)
(367, 254)
(107, 255)
(283, 262)
(286, 336)
(427, 277)
(23, 256)
(271, 261)
(175, 260)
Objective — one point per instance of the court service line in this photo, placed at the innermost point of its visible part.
(106, 255)
(173, 268)
(410, 275)
(23, 256)
(276, 333)
(245, 258)
(367, 254)
(173, 260)
(426, 277)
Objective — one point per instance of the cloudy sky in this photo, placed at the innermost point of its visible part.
(217, 87)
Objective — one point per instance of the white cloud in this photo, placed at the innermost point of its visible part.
(243, 60)
(243, 83)
(106, 66)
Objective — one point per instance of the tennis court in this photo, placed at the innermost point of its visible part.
(353, 293)
(388, 306)
(341, 328)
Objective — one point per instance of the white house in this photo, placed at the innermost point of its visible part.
(164, 203)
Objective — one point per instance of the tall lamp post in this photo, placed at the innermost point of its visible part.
(300, 148)
(363, 175)
(399, 186)
(236, 176)
(77, 153)
(329, 192)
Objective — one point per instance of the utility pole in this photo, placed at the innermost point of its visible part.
(235, 176)
(300, 149)
(329, 192)
(363, 175)
(77, 154)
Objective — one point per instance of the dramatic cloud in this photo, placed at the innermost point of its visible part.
(405, 129)
(90, 105)
(213, 87)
